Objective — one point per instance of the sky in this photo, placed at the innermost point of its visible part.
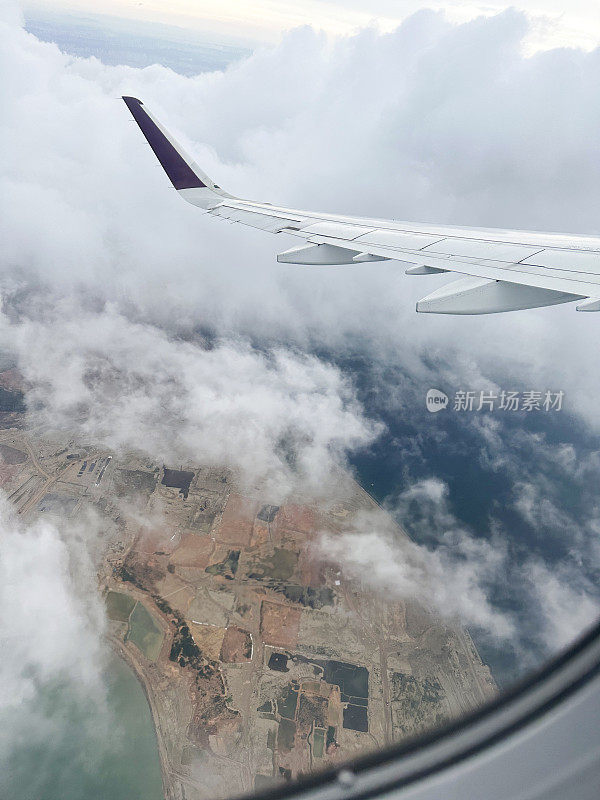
(141, 324)
(553, 24)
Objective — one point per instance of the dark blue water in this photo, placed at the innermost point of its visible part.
(483, 479)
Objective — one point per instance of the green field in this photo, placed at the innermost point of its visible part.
(144, 632)
(280, 565)
(226, 567)
(318, 743)
(119, 606)
(286, 704)
(285, 735)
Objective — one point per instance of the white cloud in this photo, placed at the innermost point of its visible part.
(457, 573)
(278, 417)
(568, 603)
(450, 580)
(440, 122)
(50, 627)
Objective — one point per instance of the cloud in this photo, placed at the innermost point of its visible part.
(417, 132)
(278, 417)
(450, 580)
(528, 605)
(50, 629)
(569, 604)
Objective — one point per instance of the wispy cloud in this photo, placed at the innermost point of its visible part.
(450, 580)
(526, 604)
(51, 627)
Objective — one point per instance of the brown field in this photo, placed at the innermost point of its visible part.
(7, 473)
(237, 645)
(194, 551)
(210, 715)
(155, 540)
(143, 571)
(296, 518)
(176, 592)
(223, 743)
(396, 620)
(238, 520)
(209, 639)
(260, 533)
(312, 569)
(10, 455)
(279, 624)
(12, 379)
(193, 575)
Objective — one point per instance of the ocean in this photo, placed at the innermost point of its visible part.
(77, 759)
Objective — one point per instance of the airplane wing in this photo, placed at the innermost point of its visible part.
(498, 270)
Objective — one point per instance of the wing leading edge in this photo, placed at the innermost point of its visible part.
(500, 270)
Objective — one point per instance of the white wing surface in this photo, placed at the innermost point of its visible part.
(498, 270)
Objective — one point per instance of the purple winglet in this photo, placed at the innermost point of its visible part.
(181, 175)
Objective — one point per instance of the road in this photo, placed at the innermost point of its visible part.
(37, 495)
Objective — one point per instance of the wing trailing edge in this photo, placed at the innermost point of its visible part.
(500, 270)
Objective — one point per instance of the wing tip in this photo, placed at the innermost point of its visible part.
(177, 166)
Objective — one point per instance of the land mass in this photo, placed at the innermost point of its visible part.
(261, 659)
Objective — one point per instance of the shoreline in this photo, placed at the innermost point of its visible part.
(118, 648)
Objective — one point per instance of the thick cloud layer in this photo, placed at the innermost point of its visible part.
(438, 122)
(277, 417)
